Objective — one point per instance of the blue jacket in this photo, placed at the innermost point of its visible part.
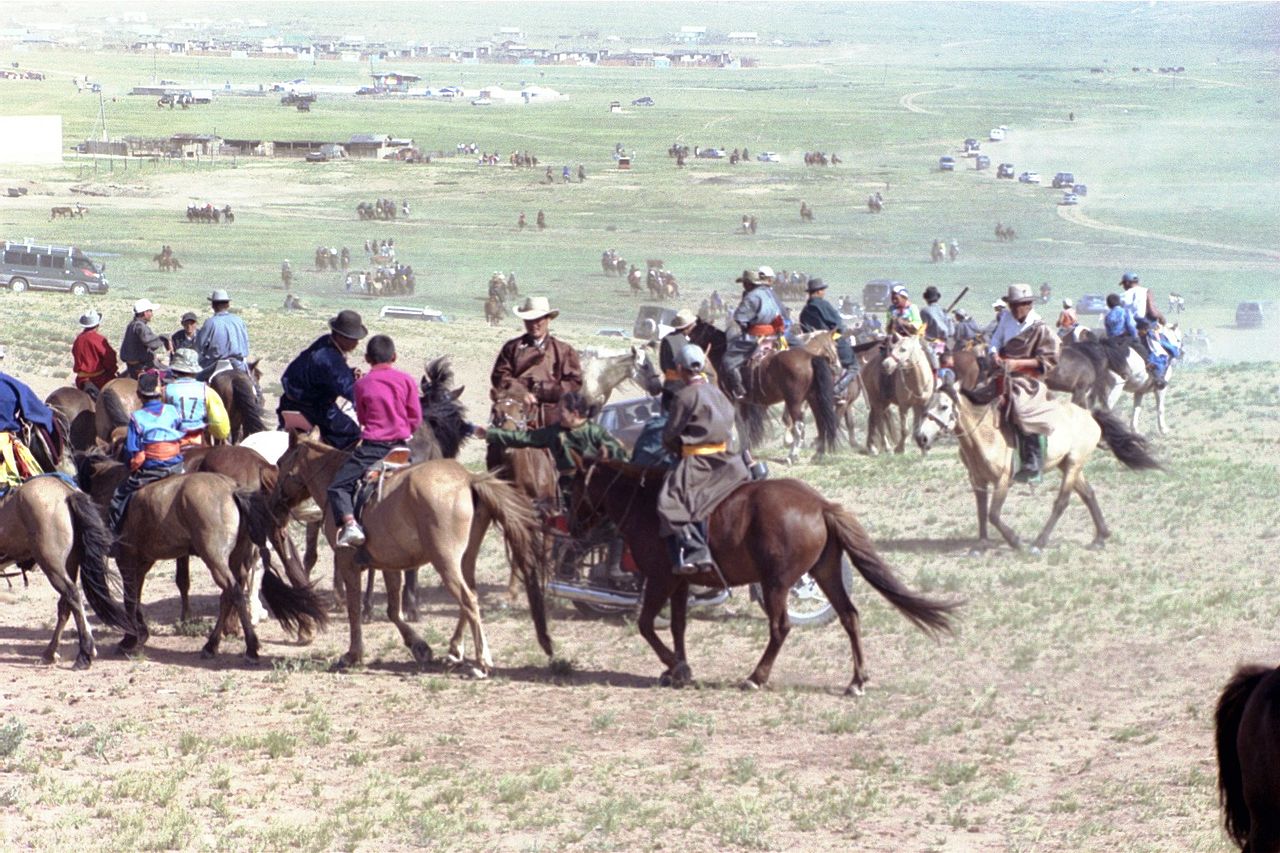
(222, 336)
(158, 426)
(312, 384)
(15, 398)
(1119, 323)
(759, 307)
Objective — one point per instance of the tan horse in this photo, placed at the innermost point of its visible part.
(911, 381)
(47, 523)
(117, 401)
(431, 512)
(987, 445)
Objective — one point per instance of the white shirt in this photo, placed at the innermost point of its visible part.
(1008, 328)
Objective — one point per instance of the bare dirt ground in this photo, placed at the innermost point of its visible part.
(1072, 711)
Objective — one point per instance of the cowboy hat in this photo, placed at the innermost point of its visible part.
(931, 292)
(90, 319)
(535, 308)
(1018, 293)
(814, 285)
(684, 318)
(184, 360)
(219, 295)
(348, 324)
(748, 277)
(691, 357)
(142, 306)
(149, 385)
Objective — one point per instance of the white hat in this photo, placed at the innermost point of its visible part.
(765, 272)
(1019, 293)
(535, 308)
(141, 306)
(999, 305)
(90, 319)
(220, 295)
(684, 317)
(1067, 303)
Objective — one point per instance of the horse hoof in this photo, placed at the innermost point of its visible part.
(664, 680)
(207, 653)
(421, 652)
(82, 663)
(748, 686)
(343, 664)
(471, 672)
(252, 659)
(126, 648)
(412, 615)
(854, 690)
(681, 675)
(366, 617)
(1035, 550)
(50, 658)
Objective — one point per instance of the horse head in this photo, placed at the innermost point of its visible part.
(510, 411)
(643, 371)
(940, 416)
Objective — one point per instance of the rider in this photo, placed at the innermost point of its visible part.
(92, 358)
(141, 347)
(19, 408)
(198, 405)
(903, 319)
(1156, 348)
(698, 431)
(1067, 319)
(389, 409)
(153, 445)
(669, 349)
(313, 382)
(1118, 322)
(758, 315)
(185, 338)
(547, 367)
(937, 325)
(1024, 345)
(819, 314)
(223, 336)
(964, 329)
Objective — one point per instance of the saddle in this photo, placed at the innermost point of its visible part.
(369, 491)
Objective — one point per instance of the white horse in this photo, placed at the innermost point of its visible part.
(602, 374)
(1140, 383)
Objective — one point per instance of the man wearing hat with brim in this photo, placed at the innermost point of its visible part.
(313, 382)
(758, 315)
(698, 432)
(92, 358)
(222, 337)
(185, 337)
(545, 367)
(199, 406)
(1025, 346)
(672, 343)
(152, 445)
(141, 347)
(817, 315)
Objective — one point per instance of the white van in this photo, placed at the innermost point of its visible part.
(996, 135)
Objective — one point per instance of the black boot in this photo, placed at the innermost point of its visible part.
(733, 378)
(1031, 449)
(846, 378)
(693, 555)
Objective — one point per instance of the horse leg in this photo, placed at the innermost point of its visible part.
(410, 603)
(827, 574)
(417, 646)
(309, 555)
(182, 577)
(50, 654)
(1159, 392)
(1085, 491)
(350, 575)
(775, 606)
(997, 503)
(479, 525)
(1137, 410)
(901, 446)
(138, 633)
(681, 673)
(657, 592)
(366, 609)
(231, 601)
(1059, 507)
(981, 497)
(450, 572)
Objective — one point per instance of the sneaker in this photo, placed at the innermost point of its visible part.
(351, 536)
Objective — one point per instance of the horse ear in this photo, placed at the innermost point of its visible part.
(457, 392)
(493, 395)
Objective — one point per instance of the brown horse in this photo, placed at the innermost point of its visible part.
(769, 532)
(911, 383)
(1247, 726)
(240, 394)
(76, 409)
(117, 401)
(431, 512)
(494, 312)
(47, 523)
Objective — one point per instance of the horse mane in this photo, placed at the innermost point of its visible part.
(245, 397)
(88, 463)
(982, 395)
(445, 417)
(116, 413)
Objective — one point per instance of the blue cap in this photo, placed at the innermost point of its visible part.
(1129, 277)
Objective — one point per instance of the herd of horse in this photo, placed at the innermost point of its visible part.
(382, 208)
(209, 214)
(65, 211)
(167, 260)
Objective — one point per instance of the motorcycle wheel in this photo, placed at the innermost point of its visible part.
(806, 605)
(589, 609)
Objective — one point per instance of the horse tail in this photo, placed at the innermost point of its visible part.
(245, 398)
(93, 542)
(927, 614)
(753, 422)
(1129, 447)
(114, 407)
(1230, 774)
(515, 514)
(297, 608)
(822, 399)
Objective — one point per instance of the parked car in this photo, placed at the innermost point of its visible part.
(996, 134)
(1091, 303)
(947, 163)
(1004, 170)
(645, 101)
(653, 322)
(1029, 178)
(971, 144)
(317, 157)
(1080, 189)
(626, 419)
(1063, 179)
(982, 162)
(24, 266)
(712, 153)
(875, 294)
(1252, 314)
(1069, 198)
(768, 157)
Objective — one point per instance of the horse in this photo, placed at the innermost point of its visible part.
(602, 374)
(794, 377)
(77, 410)
(911, 383)
(635, 280)
(987, 445)
(769, 532)
(47, 523)
(494, 313)
(1247, 732)
(240, 394)
(1089, 371)
(938, 251)
(117, 401)
(875, 203)
(1139, 382)
(430, 512)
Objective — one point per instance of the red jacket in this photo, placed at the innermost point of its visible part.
(93, 359)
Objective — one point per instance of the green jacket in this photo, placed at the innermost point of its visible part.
(586, 440)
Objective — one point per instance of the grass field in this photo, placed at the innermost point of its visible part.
(1072, 710)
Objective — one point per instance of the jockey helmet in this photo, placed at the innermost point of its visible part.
(1129, 278)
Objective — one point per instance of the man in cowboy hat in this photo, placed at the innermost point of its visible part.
(545, 366)
(669, 350)
(153, 445)
(697, 433)
(92, 358)
(141, 347)
(758, 315)
(185, 338)
(1024, 345)
(313, 382)
(819, 314)
(222, 337)
(198, 405)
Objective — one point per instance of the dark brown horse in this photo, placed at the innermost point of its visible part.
(1248, 739)
(76, 409)
(47, 523)
(769, 532)
(117, 401)
(240, 394)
